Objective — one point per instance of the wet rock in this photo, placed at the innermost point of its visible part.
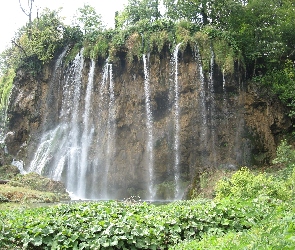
(219, 123)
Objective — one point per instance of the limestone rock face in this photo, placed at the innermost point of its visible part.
(208, 120)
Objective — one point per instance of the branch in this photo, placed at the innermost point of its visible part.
(20, 47)
(23, 10)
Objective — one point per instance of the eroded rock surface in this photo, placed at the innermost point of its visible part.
(221, 123)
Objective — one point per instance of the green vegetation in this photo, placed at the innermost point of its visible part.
(244, 184)
(23, 190)
(249, 31)
(250, 211)
(8, 172)
(277, 232)
(119, 225)
(6, 81)
(24, 195)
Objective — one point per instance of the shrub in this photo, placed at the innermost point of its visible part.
(158, 39)
(285, 155)
(5, 87)
(245, 184)
(134, 46)
(275, 232)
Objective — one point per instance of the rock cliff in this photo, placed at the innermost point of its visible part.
(142, 128)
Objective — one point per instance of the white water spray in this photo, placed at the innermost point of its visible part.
(100, 182)
(202, 93)
(87, 134)
(212, 108)
(45, 151)
(19, 165)
(61, 145)
(149, 125)
(111, 133)
(176, 124)
(74, 140)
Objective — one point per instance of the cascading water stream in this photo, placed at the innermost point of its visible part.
(55, 83)
(83, 147)
(101, 129)
(149, 125)
(44, 152)
(87, 134)
(212, 108)
(225, 102)
(176, 113)
(60, 146)
(202, 94)
(74, 139)
(111, 133)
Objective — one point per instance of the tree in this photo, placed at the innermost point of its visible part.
(88, 19)
(137, 10)
(195, 11)
(28, 12)
(47, 35)
(202, 12)
(36, 44)
(28, 9)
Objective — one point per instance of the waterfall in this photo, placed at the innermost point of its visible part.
(176, 113)
(202, 102)
(111, 135)
(212, 109)
(225, 101)
(87, 134)
(115, 134)
(19, 165)
(44, 152)
(60, 145)
(50, 117)
(73, 95)
(100, 178)
(149, 125)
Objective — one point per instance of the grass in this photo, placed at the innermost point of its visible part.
(22, 194)
(28, 190)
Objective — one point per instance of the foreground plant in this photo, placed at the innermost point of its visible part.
(275, 232)
(119, 225)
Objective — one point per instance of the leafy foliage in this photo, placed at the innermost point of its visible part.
(88, 19)
(244, 184)
(38, 43)
(276, 232)
(137, 10)
(47, 35)
(281, 82)
(286, 159)
(122, 225)
(260, 37)
(6, 81)
(285, 155)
